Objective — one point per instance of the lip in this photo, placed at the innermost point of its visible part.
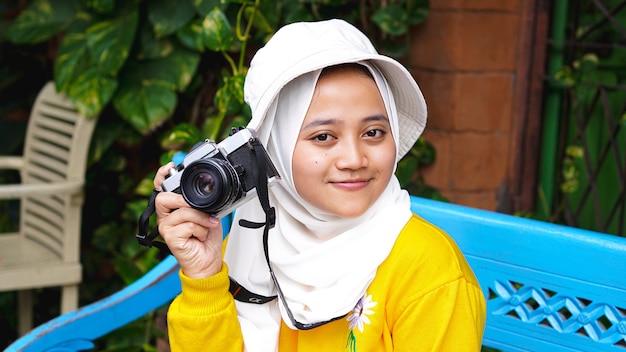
(350, 185)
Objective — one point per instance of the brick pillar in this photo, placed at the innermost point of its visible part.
(465, 57)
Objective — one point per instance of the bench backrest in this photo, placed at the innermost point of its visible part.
(548, 287)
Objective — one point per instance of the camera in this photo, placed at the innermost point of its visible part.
(217, 178)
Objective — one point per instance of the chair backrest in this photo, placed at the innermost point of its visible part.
(548, 287)
(55, 150)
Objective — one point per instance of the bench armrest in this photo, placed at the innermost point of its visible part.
(15, 191)
(11, 162)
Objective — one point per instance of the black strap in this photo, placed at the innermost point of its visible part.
(270, 221)
(145, 239)
(242, 294)
(261, 189)
(239, 292)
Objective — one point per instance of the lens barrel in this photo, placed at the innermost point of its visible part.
(210, 185)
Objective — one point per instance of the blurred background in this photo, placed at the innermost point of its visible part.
(527, 108)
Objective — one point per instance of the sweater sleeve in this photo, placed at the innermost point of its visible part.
(449, 318)
(203, 316)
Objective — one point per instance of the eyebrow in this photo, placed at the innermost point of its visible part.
(335, 121)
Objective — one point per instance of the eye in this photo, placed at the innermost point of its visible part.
(322, 137)
(373, 133)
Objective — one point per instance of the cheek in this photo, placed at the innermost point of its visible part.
(391, 161)
(304, 166)
(386, 158)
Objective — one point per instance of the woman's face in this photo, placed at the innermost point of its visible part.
(345, 153)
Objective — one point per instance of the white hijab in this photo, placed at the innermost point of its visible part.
(323, 263)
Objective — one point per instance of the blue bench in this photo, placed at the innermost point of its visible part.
(548, 287)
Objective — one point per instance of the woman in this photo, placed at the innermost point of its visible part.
(353, 268)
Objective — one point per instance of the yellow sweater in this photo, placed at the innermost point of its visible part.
(424, 297)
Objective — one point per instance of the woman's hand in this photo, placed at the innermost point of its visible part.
(193, 237)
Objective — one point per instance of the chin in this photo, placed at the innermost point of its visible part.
(351, 213)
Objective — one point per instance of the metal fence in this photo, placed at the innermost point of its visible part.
(590, 140)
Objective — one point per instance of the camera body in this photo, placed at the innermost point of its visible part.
(217, 178)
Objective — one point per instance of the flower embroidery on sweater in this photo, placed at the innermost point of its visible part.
(358, 318)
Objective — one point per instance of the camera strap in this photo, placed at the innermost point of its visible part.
(146, 238)
(270, 221)
(239, 292)
(143, 237)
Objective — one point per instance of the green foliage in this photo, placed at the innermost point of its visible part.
(140, 55)
(409, 170)
(162, 75)
(593, 133)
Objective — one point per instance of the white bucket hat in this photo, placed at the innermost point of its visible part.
(304, 47)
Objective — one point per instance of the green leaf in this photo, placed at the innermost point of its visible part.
(91, 91)
(569, 186)
(564, 77)
(178, 68)
(192, 35)
(147, 94)
(144, 188)
(184, 134)
(203, 7)
(109, 41)
(72, 55)
(145, 104)
(151, 47)
(575, 151)
(229, 97)
(41, 20)
(103, 138)
(261, 24)
(418, 11)
(218, 34)
(89, 57)
(127, 269)
(212, 126)
(169, 16)
(101, 6)
(406, 169)
(392, 19)
(423, 152)
(390, 46)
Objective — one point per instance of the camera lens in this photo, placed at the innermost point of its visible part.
(210, 185)
(205, 184)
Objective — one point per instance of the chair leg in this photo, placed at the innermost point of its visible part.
(69, 298)
(25, 311)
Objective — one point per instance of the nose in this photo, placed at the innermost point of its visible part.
(351, 155)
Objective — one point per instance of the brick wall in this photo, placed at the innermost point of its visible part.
(467, 58)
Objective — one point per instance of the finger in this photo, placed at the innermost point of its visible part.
(166, 202)
(178, 234)
(196, 247)
(190, 222)
(161, 173)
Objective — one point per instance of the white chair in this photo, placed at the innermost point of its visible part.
(45, 250)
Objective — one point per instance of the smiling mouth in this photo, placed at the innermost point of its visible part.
(351, 184)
